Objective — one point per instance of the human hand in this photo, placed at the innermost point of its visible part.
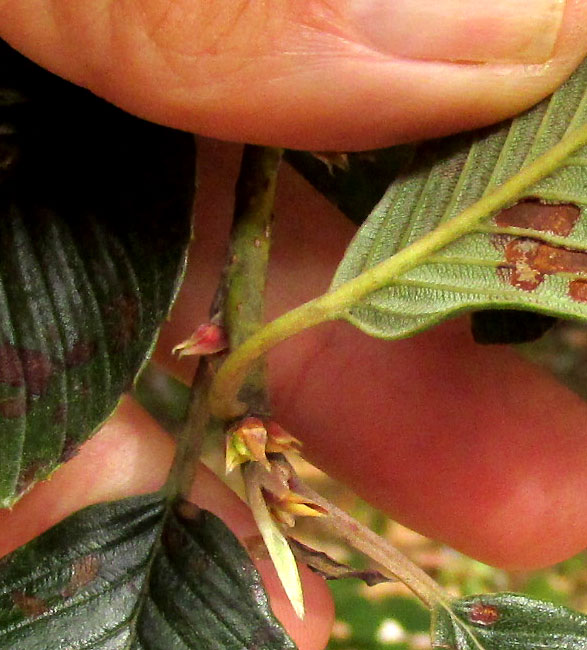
(312, 74)
(415, 426)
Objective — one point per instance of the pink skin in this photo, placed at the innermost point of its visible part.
(289, 73)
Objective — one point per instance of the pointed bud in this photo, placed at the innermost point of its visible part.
(209, 338)
(246, 441)
(279, 440)
(285, 509)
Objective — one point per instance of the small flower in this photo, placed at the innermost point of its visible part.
(277, 545)
(246, 441)
(279, 440)
(209, 338)
(253, 438)
(286, 508)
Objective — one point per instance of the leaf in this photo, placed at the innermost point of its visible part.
(126, 575)
(508, 622)
(356, 188)
(509, 326)
(327, 567)
(95, 210)
(449, 246)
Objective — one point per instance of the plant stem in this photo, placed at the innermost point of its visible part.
(191, 436)
(333, 304)
(392, 561)
(243, 286)
(239, 302)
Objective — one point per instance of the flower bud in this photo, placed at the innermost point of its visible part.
(246, 441)
(209, 338)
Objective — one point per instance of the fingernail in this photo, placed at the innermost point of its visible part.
(479, 31)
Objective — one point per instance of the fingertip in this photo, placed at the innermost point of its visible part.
(296, 75)
(313, 631)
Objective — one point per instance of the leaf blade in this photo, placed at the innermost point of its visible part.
(474, 268)
(195, 588)
(95, 210)
(508, 622)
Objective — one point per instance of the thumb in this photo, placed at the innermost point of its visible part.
(314, 74)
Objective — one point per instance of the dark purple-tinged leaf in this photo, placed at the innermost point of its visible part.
(95, 210)
(508, 622)
(327, 567)
(136, 574)
(499, 326)
(355, 185)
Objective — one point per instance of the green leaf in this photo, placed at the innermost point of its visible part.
(128, 574)
(95, 210)
(508, 622)
(531, 256)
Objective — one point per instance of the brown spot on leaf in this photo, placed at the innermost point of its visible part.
(13, 407)
(31, 606)
(23, 367)
(535, 215)
(578, 290)
(174, 539)
(11, 371)
(27, 477)
(553, 259)
(38, 369)
(199, 565)
(519, 254)
(504, 273)
(80, 353)
(531, 260)
(122, 316)
(500, 241)
(485, 615)
(70, 449)
(83, 571)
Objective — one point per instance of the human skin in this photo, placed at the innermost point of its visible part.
(479, 448)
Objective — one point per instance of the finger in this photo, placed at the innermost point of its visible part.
(465, 443)
(299, 73)
(131, 455)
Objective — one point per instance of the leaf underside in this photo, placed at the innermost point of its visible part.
(132, 576)
(508, 622)
(531, 256)
(95, 210)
